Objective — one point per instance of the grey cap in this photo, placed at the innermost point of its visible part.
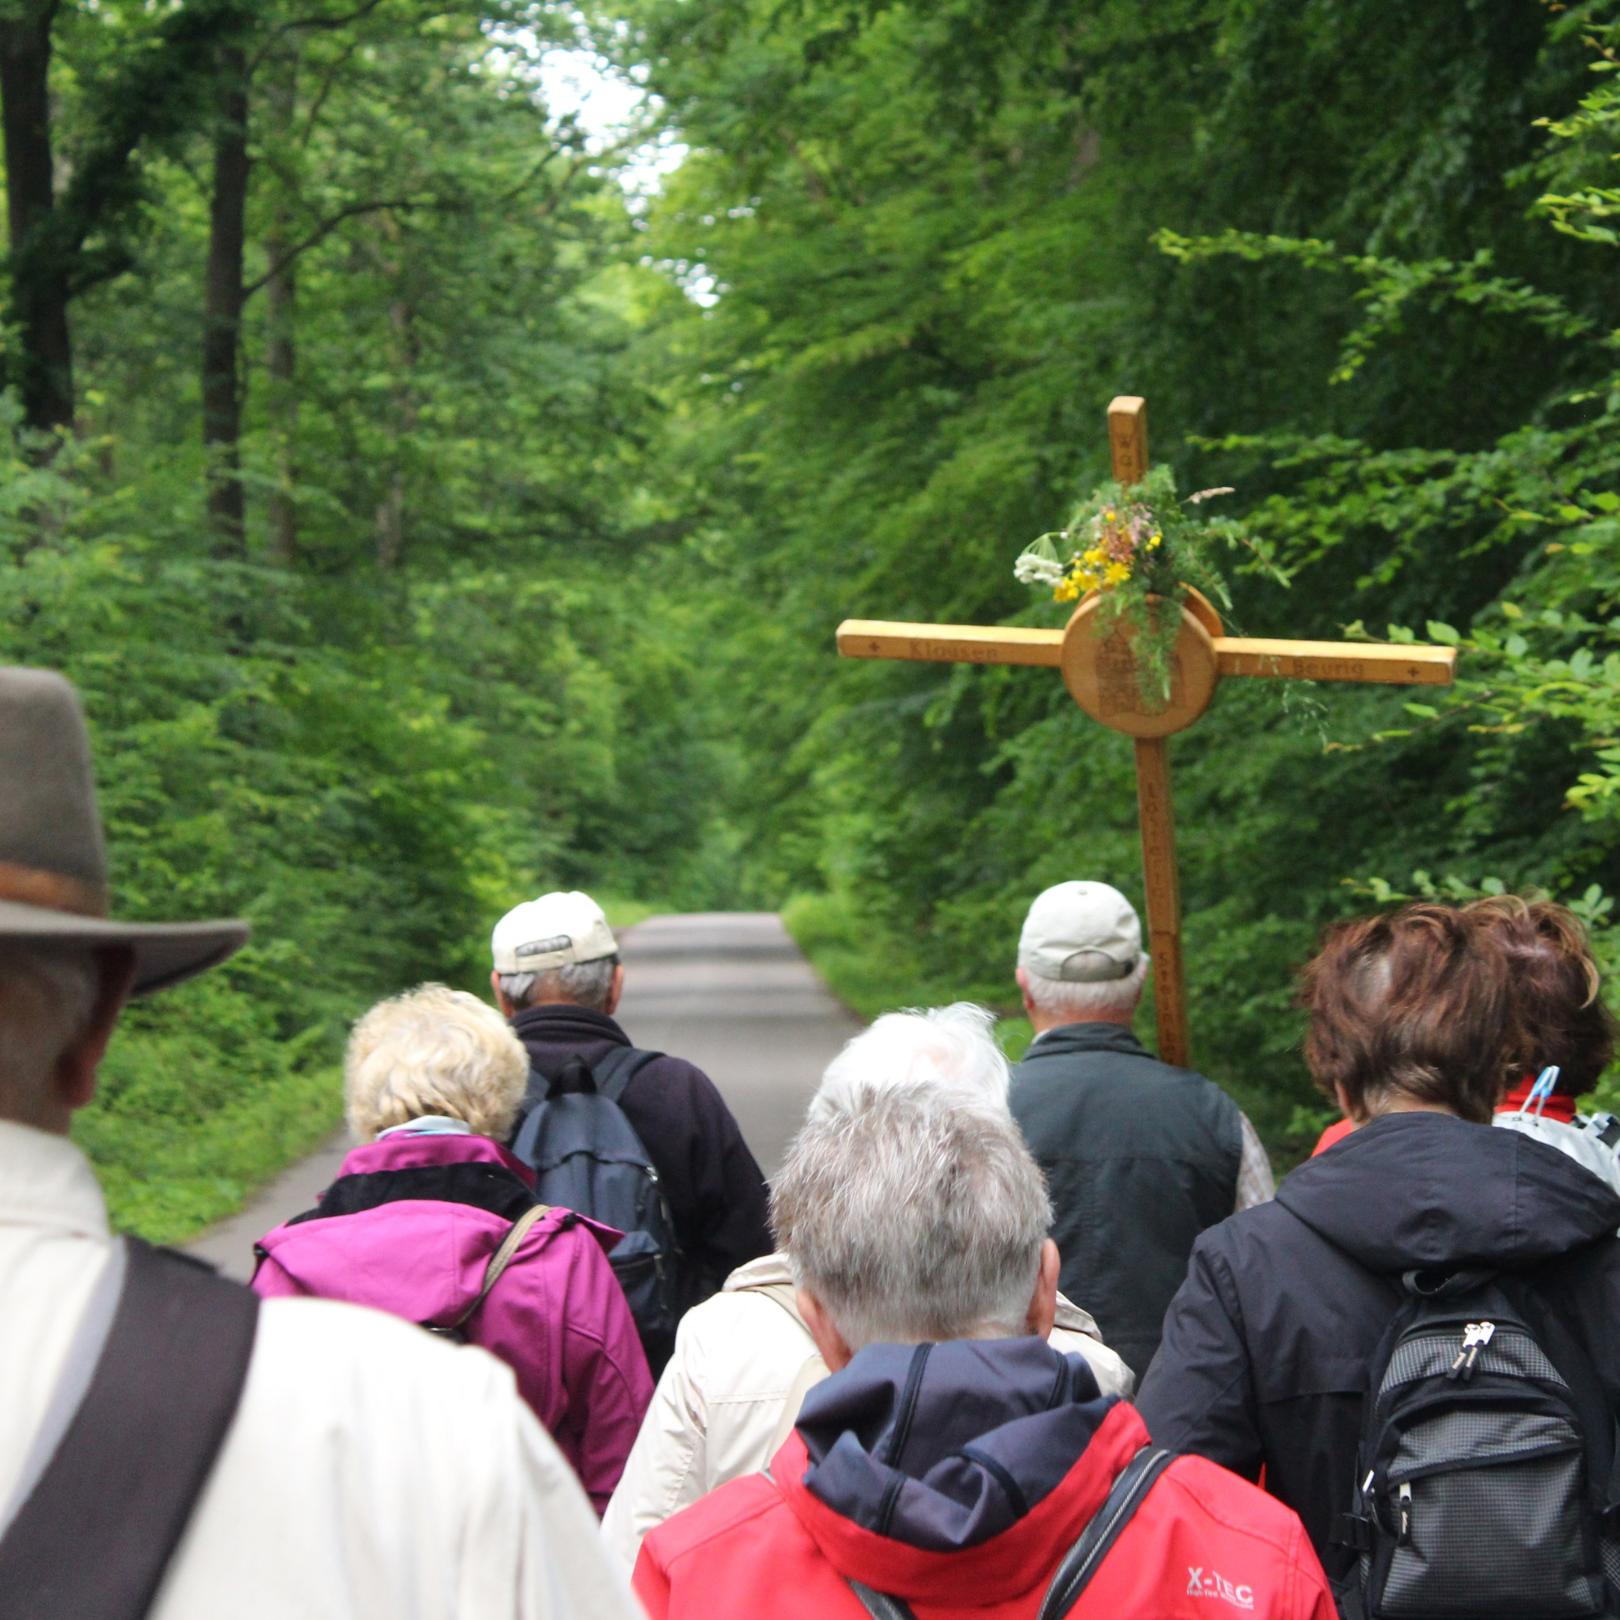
(1080, 933)
(53, 863)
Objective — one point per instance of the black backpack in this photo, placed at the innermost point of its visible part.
(587, 1157)
(1484, 1480)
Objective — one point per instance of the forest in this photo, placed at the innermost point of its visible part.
(437, 500)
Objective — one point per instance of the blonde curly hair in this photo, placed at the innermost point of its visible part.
(433, 1050)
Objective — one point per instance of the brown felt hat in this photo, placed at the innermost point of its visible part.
(53, 865)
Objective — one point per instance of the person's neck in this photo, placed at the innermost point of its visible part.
(1044, 1022)
(1409, 1105)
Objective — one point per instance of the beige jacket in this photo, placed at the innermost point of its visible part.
(371, 1470)
(738, 1356)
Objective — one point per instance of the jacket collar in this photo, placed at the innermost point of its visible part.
(768, 1271)
(1008, 1561)
(560, 1022)
(1087, 1038)
(45, 1181)
(1432, 1191)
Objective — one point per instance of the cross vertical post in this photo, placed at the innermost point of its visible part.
(1128, 445)
(1100, 677)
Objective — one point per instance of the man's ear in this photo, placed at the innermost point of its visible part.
(1043, 1302)
(500, 995)
(74, 1080)
(615, 990)
(834, 1348)
(1022, 975)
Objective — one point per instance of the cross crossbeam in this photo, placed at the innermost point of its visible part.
(1100, 675)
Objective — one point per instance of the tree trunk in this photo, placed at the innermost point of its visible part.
(391, 508)
(39, 288)
(223, 299)
(281, 345)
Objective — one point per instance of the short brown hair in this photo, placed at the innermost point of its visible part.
(1561, 1017)
(1415, 1004)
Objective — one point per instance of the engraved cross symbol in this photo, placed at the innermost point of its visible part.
(1100, 675)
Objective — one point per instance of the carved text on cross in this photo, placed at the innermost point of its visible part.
(1100, 675)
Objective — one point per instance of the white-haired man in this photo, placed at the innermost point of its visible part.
(744, 1359)
(557, 976)
(168, 1445)
(954, 1463)
(1140, 1157)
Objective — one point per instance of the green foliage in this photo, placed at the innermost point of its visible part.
(460, 678)
(936, 239)
(555, 502)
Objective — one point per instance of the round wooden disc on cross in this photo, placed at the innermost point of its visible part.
(1099, 668)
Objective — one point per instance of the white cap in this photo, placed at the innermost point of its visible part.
(1080, 933)
(557, 930)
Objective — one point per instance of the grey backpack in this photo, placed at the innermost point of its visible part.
(1483, 1485)
(586, 1156)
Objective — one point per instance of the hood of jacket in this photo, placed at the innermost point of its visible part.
(944, 1445)
(410, 1224)
(918, 1468)
(1425, 1190)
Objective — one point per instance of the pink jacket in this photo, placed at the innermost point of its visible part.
(410, 1225)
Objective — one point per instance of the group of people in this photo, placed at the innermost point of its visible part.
(1001, 1342)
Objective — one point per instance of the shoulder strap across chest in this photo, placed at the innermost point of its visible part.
(614, 1072)
(94, 1536)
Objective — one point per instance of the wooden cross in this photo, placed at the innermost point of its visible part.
(1100, 673)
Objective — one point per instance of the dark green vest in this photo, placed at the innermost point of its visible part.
(1139, 1157)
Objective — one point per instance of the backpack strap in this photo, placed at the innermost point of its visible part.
(879, 1604)
(1606, 1128)
(618, 1069)
(498, 1262)
(94, 1536)
(811, 1372)
(1130, 1489)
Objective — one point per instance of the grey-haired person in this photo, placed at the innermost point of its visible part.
(1140, 1156)
(955, 1463)
(745, 1358)
(169, 1446)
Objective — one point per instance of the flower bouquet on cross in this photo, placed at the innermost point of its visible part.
(1142, 550)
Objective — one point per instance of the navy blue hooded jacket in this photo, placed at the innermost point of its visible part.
(1268, 1346)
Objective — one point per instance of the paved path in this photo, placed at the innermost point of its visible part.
(727, 990)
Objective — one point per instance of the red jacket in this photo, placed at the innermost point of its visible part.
(1203, 1545)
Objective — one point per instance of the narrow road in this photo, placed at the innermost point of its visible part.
(727, 990)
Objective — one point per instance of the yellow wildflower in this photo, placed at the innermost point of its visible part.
(1116, 574)
(1153, 544)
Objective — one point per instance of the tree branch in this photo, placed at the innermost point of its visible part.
(402, 205)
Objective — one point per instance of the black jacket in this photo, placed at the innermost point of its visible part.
(1140, 1158)
(1268, 1346)
(715, 1188)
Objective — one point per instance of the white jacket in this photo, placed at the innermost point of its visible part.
(719, 1403)
(372, 1472)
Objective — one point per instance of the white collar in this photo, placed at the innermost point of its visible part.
(46, 1181)
(429, 1125)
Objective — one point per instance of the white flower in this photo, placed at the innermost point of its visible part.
(1033, 570)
